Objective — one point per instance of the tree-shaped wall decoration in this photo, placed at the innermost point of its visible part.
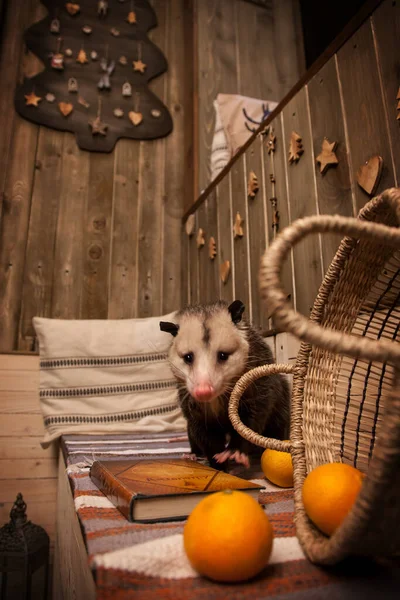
(97, 61)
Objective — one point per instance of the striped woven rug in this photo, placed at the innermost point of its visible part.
(146, 561)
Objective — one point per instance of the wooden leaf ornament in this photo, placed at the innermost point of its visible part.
(252, 185)
(327, 156)
(224, 270)
(212, 248)
(369, 174)
(295, 147)
(237, 227)
(200, 241)
(135, 117)
(66, 108)
(189, 225)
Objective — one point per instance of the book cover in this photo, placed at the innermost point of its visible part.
(149, 490)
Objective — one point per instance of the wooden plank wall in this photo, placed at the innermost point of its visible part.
(24, 466)
(243, 49)
(89, 235)
(351, 100)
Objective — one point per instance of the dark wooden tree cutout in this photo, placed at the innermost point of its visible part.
(111, 38)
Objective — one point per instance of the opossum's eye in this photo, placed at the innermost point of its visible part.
(223, 356)
(188, 358)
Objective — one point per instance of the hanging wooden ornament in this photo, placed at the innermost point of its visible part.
(189, 225)
(123, 61)
(131, 18)
(50, 97)
(115, 32)
(72, 8)
(107, 69)
(237, 226)
(83, 102)
(212, 248)
(295, 147)
(369, 174)
(94, 55)
(135, 116)
(274, 203)
(271, 141)
(139, 65)
(252, 185)
(82, 57)
(87, 29)
(327, 156)
(65, 108)
(224, 270)
(96, 125)
(200, 241)
(68, 52)
(32, 100)
(55, 26)
(118, 112)
(127, 89)
(72, 85)
(57, 59)
(102, 8)
(155, 113)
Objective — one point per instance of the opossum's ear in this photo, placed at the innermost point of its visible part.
(171, 328)
(236, 309)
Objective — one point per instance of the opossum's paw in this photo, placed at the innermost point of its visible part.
(189, 456)
(241, 458)
(222, 457)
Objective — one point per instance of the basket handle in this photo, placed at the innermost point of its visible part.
(233, 408)
(299, 325)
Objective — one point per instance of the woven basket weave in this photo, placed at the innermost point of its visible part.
(346, 388)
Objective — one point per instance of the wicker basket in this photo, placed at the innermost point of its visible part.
(346, 389)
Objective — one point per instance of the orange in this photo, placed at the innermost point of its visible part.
(329, 492)
(228, 537)
(277, 467)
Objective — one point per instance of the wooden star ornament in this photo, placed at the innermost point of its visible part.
(32, 100)
(139, 65)
(327, 157)
(98, 127)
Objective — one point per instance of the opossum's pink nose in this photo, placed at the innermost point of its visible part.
(203, 392)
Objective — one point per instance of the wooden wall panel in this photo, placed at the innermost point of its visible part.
(244, 49)
(217, 70)
(240, 257)
(193, 266)
(174, 188)
(256, 233)
(123, 264)
(364, 109)
(334, 187)
(302, 200)
(277, 165)
(68, 251)
(386, 29)
(24, 466)
(213, 282)
(39, 262)
(225, 250)
(202, 252)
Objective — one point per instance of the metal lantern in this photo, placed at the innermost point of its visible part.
(24, 548)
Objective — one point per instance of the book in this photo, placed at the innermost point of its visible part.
(149, 490)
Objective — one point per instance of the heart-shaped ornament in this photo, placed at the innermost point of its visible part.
(66, 108)
(369, 174)
(72, 8)
(135, 117)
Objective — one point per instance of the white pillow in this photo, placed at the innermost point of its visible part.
(106, 376)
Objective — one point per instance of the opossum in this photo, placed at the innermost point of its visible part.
(213, 347)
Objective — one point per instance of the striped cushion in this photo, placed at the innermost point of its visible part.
(106, 376)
